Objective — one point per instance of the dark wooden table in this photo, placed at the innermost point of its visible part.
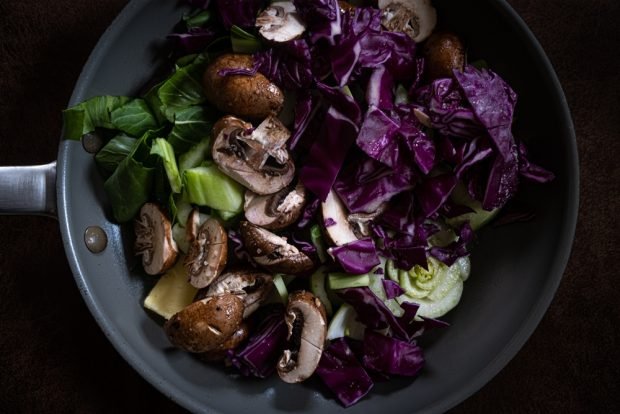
(54, 358)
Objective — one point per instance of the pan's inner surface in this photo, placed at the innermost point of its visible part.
(516, 268)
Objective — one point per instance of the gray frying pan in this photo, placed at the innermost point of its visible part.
(516, 268)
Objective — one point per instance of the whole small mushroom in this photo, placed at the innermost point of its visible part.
(444, 53)
(275, 211)
(207, 254)
(416, 18)
(279, 22)
(206, 324)
(307, 329)
(247, 96)
(154, 241)
(273, 252)
(257, 159)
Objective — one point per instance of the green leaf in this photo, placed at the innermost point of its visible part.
(90, 114)
(183, 88)
(114, 152)
(244, 42)
(163, 148)
(134, 118)
(191, 125)
(197, 19)
(131, 184)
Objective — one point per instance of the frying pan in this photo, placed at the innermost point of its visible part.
(516, 268)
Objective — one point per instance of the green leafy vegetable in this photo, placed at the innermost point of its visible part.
(114, 152)
(244, 42)
(197, 19)
(163, 148)
(195, 156)
(131, 184)
(181, 90)
(208, 186)
(191, 125)
(90, 114)
(134, 118)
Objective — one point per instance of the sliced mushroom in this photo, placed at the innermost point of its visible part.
(279, 22)
(444, 52)
(219, 353)
(205, 325)
(307, 330)
(275, 211)
(247, 96)
(258, 159)
(195, 219)
(250, 285)
(416, 18)
(273, 252)
(207, 254)
(154, 241)
(360, 222)
(336, 222)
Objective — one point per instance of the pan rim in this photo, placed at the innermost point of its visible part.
(495, 365)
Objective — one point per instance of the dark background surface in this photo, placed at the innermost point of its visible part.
(54, 358)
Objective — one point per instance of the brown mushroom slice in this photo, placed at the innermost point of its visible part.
(275, 211)
(154, 241)
(279, 22)
(360, 222)
(416, 18)
(336, 222)
(195, 219)
(207, 254)
(247, 96)
(444, 52)
(206, 324)
(307, 330)
(219, 353)
(250, 285)
(258, 160)
(273, 252)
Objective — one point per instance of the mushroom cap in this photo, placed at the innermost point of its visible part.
(154, 241)
(219, 353)
(206, 324)
(250, 285)
(275, 211)
(335, 220)
(307, 330)
(279, 22)
(252, 97)
(207, 254)
(416, 18)
(444, 52)
(256, 159)
(273, 252)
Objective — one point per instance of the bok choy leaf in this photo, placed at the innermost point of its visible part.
(114, 152)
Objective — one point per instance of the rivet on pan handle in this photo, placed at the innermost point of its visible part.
(28, 190)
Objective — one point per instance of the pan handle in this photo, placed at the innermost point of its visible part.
(28, 190)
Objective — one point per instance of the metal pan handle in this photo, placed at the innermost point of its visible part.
(28, 190)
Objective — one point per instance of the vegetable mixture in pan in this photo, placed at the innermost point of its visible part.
(305, 180)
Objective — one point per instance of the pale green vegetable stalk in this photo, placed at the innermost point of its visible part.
(208, 186)
(163, 148)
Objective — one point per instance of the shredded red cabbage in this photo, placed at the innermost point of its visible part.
(343, 374)
(358, 257)
(391, 355)
(258, 357)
